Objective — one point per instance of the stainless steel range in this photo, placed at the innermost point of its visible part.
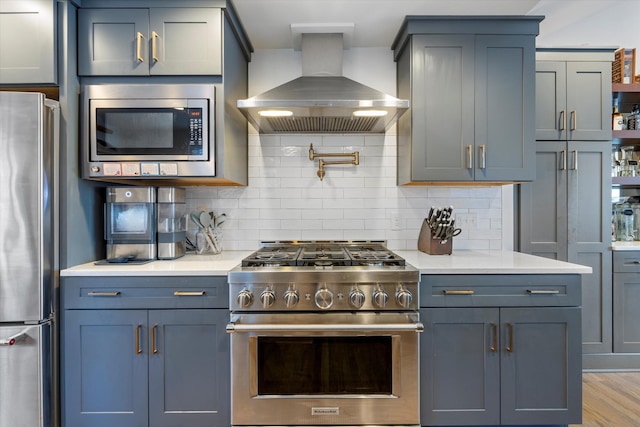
(324, 333)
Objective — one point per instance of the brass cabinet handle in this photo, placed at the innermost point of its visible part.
(510, 345)
(575, 160)
(563, 160)
(154, 349)
(458, 292)
(543, 291)
(189, 293)
(103, 294)
(574, 120)
(494, 331)
(563, 120)
(154, 51)
(483, 156)
(469, 156)
(139, 39)
(138, 348)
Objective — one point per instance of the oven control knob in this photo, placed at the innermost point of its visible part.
(290, 298)
(324, 298)
(245, 298)
(356, 298)
(267, 298)
(403, 297)
(380, 297)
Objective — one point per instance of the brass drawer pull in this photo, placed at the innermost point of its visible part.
(104, 294)
(154, 349)
(139, 39)
(459, 292)
(138, 349)
(189, 293)
(154, 47)
(494, 332)
(510, 345)
(543, 291)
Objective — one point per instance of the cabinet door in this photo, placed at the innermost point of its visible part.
(186, 41)
(543, 204)
(589, 101)
(589, 236)
(27, 42)
(541, 366)
(105, 365)
(442, 108)
(626, 316)
(551, 100)
(113, 42)
(189, 376)
(459, 365)
(505, 108)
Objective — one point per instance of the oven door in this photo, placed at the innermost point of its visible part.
(324, 369)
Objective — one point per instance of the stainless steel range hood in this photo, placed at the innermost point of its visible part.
(322, 100)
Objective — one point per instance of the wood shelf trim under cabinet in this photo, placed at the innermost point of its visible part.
(625, 134)
(625, 87)
(631, 181)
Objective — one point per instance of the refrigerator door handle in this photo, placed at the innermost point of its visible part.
(15, 339)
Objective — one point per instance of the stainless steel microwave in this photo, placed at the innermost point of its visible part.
(148, 131)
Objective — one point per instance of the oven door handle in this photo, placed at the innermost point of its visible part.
(383, 327)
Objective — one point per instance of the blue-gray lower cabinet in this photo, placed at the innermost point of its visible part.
(505, 350)
(626, 299)
(157, 367)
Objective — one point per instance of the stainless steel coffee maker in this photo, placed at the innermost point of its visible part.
(130, 223)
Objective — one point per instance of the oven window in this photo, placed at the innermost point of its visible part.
(324, 365)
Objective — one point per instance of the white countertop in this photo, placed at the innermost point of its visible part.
(625, 246)
(459, 262)
(489, 262)
(188, 265)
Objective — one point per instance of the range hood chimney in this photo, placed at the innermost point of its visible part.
(322, 100)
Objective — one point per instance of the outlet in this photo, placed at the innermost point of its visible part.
(466, 220)
(396, 222)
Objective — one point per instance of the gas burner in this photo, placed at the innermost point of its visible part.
(279, 256)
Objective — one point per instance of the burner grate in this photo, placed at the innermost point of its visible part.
(324, 254)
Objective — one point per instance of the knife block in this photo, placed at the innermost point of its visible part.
(431, 246)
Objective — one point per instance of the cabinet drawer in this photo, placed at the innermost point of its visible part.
(144, 292)
(500, 290)
(626, 261)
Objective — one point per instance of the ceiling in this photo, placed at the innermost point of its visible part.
(374, 22)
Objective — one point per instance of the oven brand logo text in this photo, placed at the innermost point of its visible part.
(325, 411)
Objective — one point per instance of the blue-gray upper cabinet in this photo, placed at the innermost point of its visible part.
(573, 98)
(157, 41)
(28, 42)
(471, 84)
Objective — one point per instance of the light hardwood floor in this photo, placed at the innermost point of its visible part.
(610, 399)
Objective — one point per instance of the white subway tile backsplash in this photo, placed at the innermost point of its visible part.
(285, 199)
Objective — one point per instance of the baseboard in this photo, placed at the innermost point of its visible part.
(611, 362)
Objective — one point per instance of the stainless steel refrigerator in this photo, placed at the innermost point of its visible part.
(28, 258)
